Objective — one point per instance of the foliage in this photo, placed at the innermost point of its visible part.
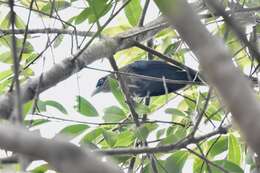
(170, 118)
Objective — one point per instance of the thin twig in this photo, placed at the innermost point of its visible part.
(141, 20)
(17, 110)
(207, 161)
(165, 148)
(125, 89)
(101, 29)
(201, 113)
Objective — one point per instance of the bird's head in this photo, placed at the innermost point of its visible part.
(101, 86)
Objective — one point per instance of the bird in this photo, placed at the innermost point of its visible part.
(150, 78)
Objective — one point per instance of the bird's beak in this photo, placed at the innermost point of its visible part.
(96, 91)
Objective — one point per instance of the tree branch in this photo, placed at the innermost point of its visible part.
(61, 71)
(63, 156)
(217, 64)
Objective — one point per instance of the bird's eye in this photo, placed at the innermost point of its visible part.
(100, 82)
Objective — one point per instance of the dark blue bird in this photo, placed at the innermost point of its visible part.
(157, 81)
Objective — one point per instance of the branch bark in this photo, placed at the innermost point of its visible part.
(61, 71)
(63, 156)
(217, 65)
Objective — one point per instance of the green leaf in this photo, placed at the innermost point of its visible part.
(91, 136)
(143, 131)
(176, 161)
(5, 23)
(6, 57)
(74, 129)
(117, 92)
(29, 57)
(57, 5)
(82, 16)
(230, 167)
(159, 101)
(6, 41)
(98, 9)
(121, 158)
(42, 106)
(159, 165)
(37, 122)
(27, 107)
(133, 12)
(40, 169)
(199, 165)
(234, 151)
(174, 134)
(85, 108)
(160, 133)
(171, 49)
(142, 109)
(19, 22)
(110, 137)
(124, 139)
(56, 105)
(114, 114)
(5, 74)
(217, 146)
(175, 112)
(58, 41)
(95, 10)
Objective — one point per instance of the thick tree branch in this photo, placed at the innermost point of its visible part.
(63, 156)
(216, 62)
(61, 71)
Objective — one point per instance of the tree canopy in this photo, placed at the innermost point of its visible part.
(67, 44)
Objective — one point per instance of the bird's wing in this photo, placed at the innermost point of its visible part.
(153, 65)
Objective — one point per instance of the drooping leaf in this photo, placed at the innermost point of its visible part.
(5, 74)
(234, 150)
(19, 23)
(55, 5)
(42, 105)
(98, 9)
(173, 135)
(171, 49)
(117, 92)
(176, 161)
(56, 105)
(175, 112)
(142, 109)
(40, 169)
(114, 114)
(230, 167)
(199, 165)
(143, 131)
(124, 139)
(5, 23)
(217, 146)
(74, 130)
(160, 133)
(91, 136)
(37, 122)
(58, 41)
(27, 107)
(6, 57)
(84, 107)
(6, 41)
(160, 165)
(133, 12)
(95, 10)
(83, 15)
(110, 137)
